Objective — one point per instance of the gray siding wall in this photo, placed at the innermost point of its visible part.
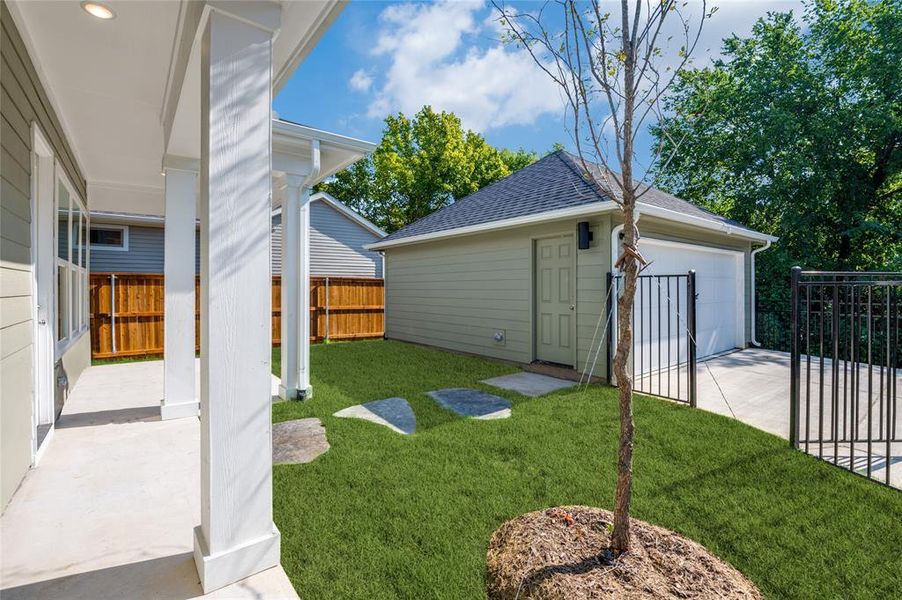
(336, 245)
(23, 102)
(456, 293)
(145, 253)
(336, 248)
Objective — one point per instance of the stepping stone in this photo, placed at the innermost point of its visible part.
(529, 384)
(299, 441)
(394, 413)
(472, 403)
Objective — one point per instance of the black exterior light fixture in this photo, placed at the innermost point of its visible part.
(584, 235)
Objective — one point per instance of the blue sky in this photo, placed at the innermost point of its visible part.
(382, 57)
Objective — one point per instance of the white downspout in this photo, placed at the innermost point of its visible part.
(316, 167)
(766, 245)
(305, 390)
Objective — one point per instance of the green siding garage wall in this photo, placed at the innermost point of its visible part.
(457, 293)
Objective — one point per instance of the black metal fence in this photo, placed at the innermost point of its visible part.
(845, 360)
(773, 325)
(663, 360)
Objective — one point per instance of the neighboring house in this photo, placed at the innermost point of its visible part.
(499, 273)
(338, 236)
(128, 243)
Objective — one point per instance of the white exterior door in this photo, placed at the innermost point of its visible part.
(555, 300)
(720, 288)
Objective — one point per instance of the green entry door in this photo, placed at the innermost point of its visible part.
(556, 300)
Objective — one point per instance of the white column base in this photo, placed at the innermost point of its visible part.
(218, 570)
(179, 410)
(295, 394)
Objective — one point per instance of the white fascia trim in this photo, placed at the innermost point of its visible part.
(286, 133)
(587, 210)
(731, 230)
(348, 212)
(650, 239)
(113, 218)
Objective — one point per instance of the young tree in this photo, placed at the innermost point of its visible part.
(612, 72)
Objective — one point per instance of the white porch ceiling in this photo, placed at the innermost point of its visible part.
(108, 82)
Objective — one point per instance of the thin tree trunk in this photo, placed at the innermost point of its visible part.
(620, 536)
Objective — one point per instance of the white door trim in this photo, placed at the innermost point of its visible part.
(43, 317)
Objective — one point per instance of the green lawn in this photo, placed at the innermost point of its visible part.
(381, 515)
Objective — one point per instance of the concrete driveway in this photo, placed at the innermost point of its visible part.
(752, 385)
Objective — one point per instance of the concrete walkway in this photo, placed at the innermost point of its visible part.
(110, 508)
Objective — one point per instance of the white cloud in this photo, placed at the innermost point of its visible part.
(437, 54)
(360, 81)
(433, 59)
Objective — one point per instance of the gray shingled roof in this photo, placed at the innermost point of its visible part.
(554, 182)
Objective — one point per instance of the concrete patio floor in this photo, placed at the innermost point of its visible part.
(109, 510)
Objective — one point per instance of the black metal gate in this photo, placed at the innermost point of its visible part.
(663, 361)
(845, 360)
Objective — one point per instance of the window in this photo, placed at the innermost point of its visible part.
(72, 225)
(109, 237)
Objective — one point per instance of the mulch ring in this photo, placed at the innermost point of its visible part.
(557, 553)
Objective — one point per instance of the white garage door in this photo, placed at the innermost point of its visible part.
(720, 288)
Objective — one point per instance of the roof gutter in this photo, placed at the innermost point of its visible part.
(731, 230)
(766, 245)
(544, 217)
(578, 211)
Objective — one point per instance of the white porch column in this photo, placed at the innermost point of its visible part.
(180, 398)
(236, 537)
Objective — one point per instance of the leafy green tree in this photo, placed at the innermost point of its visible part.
(797, 131)
(421, 165)
(355, 187)
(517, 159)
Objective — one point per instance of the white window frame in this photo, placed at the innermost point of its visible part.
(78, 319)
(105, 248)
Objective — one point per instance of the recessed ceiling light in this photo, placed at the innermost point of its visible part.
(98, 10)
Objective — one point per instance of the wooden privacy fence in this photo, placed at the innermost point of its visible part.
(127, 312)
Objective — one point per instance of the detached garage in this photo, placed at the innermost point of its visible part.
(518, 270)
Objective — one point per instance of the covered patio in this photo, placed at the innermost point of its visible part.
(109, 513)
(159, 109)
